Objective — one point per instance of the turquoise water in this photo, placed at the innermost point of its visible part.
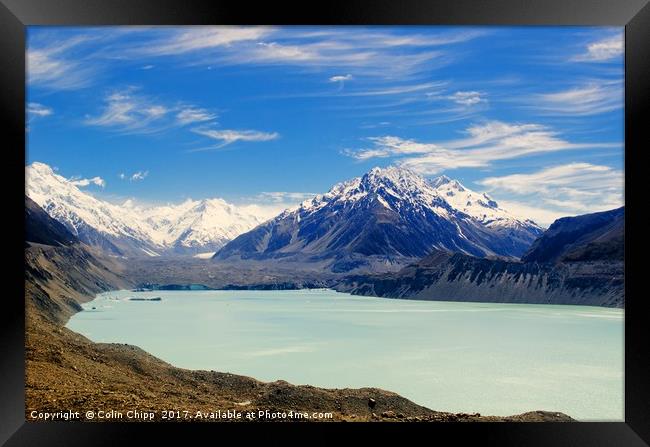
(497, 359)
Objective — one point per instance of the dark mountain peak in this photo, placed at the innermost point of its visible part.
(585, 221)
(589, 236)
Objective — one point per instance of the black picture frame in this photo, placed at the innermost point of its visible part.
(15, 15)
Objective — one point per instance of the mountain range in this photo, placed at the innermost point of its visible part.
(193, 226)
(387, 217)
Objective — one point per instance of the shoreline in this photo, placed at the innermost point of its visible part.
(269, 288)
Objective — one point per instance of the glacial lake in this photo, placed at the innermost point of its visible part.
(495, 359)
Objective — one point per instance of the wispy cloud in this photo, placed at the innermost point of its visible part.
(400, 89)
(138, 176)
(603, 50)
(361, 49)
(203, 38)
(276, 52)
(587, 176)
(135, 177)
(468, 98)
(590, 99)
(422, 40)
(570, 189)
(81, 61)
(194, 115)
(372, 37)
(340, 78)
(339, 55)
(36, 109)
(73, 63)
(484, 144)
(52, 66)
(535, 211)
(388, 146)
(385, 94)
(284, 196)
(227, 137)
(127, 112)
(269, 204)
(98, 181)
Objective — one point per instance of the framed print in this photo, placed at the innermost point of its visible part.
(391, 218)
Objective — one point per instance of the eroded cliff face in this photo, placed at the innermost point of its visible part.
(445, 277)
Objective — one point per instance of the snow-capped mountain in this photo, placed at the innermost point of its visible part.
(198, 225)
(193, 226)
(487, 211)
(391, 214)
(387, 215)
(113, 228)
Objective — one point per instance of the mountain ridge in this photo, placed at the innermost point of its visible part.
(40, 228)
(590, 271)
(581, 237)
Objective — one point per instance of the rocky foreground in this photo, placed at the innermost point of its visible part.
(66, 372)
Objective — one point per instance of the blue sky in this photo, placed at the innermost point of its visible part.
(270, 115)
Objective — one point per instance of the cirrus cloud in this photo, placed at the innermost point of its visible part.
(36, 109)
(592, 98)
(194, 115)
(138, 176)
(340, 78)
(53, 67)
(97, 181)
(229, 136)
(468, 98)
(484, 144)
(128, 111)
(556, 191)
(203, 38)
(603, 50)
